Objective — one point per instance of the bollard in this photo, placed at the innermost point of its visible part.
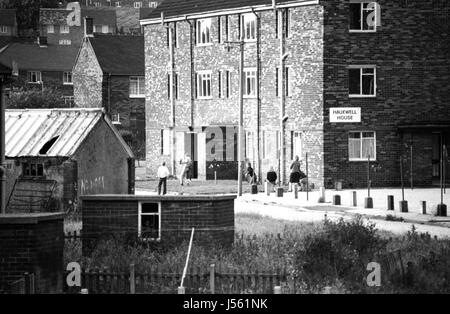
(277, 290)
(266, 186)
(424, 207)
(296, 191)
(403, 206)
(355, 200)
(84, 291)
(336, 200)
(441, 210)
(322, 194)
(280, 192)
(254, 189)
(390, 202)
(181, 290)
(368, 202)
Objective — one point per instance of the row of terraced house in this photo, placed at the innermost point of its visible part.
(353, 85)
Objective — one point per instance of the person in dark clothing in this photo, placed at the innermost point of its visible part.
(272, 176)
(250, 175)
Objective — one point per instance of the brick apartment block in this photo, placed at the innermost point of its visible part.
(388, 59)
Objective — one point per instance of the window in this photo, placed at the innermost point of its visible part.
(203, 32)
(118, 4)
(50, 29)
(250, 82)
(34, 77)
(152, 4)
(204, 84)
(3, 29)
(97, 28)
(288, 81)
(65, 42)
(224, 29)
(175, 86)
(248, 29)
(224, 84)
(97, 4)
(64, 29)
(67, 78)
(32, 169)
(165, 142)
(137, 86)
(174, 34)
(69, 101)
(296, 144)
(361, 145)
(270, 144)
(115, 118)
(363, 17)
(283, 23)
(362, 81)
(105, 29)
(250, 145)
(149, 224)
(138, 5)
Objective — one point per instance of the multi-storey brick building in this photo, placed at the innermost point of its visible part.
(137, 4)
(65, 26)
(109, 73)
(8, 22)
(309, 67)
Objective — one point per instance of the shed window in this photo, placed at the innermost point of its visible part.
(149, 224)
(32, 169)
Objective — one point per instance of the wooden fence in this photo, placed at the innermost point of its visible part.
(216, 279)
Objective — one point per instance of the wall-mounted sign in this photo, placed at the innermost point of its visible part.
(345, 115)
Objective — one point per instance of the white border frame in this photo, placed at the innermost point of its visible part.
(140, 220)
(202, 72)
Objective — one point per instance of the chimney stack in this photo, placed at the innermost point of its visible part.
(88, 26)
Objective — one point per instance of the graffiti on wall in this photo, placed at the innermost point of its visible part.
(92, 185)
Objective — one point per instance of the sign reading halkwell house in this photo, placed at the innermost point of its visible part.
(345, 115)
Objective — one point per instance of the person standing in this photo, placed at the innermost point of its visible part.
(295, 172)
(250, 175)
(163, 173)
(185, 167)
(272, 177)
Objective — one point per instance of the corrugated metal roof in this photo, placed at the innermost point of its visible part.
(28, 130)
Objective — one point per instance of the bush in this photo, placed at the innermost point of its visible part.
(338, 252)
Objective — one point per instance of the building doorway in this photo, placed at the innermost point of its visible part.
(436, 144)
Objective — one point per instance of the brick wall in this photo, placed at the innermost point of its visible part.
(212, 216)
(411, 51)
(32, 243)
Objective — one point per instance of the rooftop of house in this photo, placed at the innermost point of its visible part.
(174, 8)
(51, 132)
(119, 54)
(8, 17)
(30, 56)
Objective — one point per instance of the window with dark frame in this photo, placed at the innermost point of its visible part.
(203, 84)
(362, 81)
(359, 15)
(32, 169)
(149, 221)
(203, 31)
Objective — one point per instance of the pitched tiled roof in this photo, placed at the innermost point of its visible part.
(101, 16)
(8, 17)
(119, 54)
(28, 130)
(172, 8)
(32, 57)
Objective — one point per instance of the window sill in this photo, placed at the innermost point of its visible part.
(362, 96)
(362, 31)
(116, 122)
(68, 84)
(203, 45)
(362, 160)
(137, 96)
(204, 98)
(35, 83)
(249, 96)
(250, 40)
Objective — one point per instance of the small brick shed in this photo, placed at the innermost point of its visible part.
(32, 243)
(158, 218)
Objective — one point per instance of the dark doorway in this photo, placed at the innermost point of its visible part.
(436, 143)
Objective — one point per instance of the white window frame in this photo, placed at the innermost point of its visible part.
(64, 29)
(115, 118)
(65, 42)
(203, 75)
(140, 214)
(361, 12)
(203, 25)
(50, 29)
(4, 29)
(118, 4)
(297, 149)
(137, 4)
(105, 29)
(225, 33)
(247, 32)
(166, 142)
(66, 80)
(153, 4)
(254, 75)
(140, 88)
(361, 158)
(361, 74)
(69, 98)
(38, 77)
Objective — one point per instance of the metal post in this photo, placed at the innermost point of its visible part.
(401, 178)
(442, 173)
(241, 114)
(411, 167)
(368, 176)
(2, 147)
(212, 280)
(307, 179)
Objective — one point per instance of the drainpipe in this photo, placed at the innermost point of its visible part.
(2, 147)
(171, 88)
(109, 94)
(191, 47)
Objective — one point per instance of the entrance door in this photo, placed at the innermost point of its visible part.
(190, 146)
(436, 143)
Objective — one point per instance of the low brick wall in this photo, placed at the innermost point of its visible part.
(32, 243)
(108, 215)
